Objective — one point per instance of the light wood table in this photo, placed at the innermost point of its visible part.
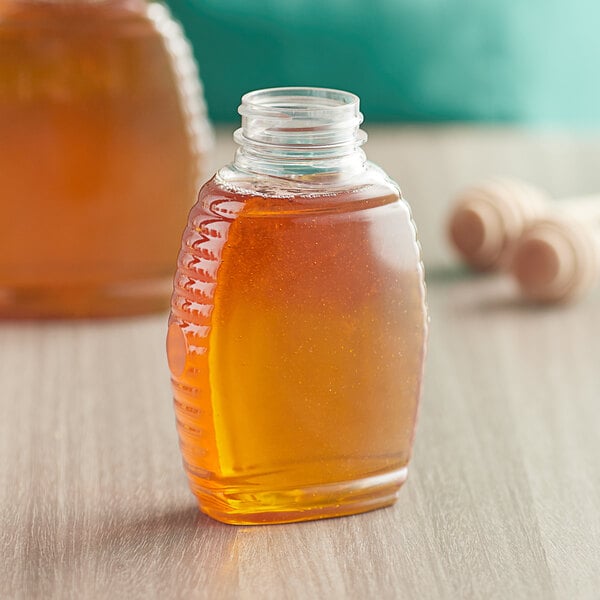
(503, 497)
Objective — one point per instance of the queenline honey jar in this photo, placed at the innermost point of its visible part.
(104, 141)
(298, 323)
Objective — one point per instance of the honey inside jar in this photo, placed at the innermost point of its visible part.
(296, 345)
(101, 154)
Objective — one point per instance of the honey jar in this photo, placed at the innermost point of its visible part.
(298, 322)
(104, 143)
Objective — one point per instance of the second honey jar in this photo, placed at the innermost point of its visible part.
(104, 140)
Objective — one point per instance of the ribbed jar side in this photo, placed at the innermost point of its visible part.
(189, 87)
(189, 334)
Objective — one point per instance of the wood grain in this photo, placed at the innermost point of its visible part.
(503, 497)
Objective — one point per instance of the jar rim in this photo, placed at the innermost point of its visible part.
(299, 130)
(302, 101)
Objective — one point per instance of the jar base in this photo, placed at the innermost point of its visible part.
(249, 507)
(84, 301)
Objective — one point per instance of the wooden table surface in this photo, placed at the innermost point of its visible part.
(503, 496)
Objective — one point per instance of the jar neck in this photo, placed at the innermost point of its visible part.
(289, 132)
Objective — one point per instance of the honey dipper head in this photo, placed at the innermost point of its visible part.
(556, 259)
(488, 218)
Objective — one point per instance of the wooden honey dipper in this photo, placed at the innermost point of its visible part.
(487, 220)
(557, 257)
(552, 249)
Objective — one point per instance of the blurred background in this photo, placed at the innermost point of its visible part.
(453, 91)
(100, 101)
(408, 60)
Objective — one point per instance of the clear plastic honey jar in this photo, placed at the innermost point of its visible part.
(298, 324)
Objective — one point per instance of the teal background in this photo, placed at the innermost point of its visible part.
(535, 61)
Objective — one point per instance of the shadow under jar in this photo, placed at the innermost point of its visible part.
(104, 139)
(298, 326)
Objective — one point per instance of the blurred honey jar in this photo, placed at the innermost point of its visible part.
(104, 141)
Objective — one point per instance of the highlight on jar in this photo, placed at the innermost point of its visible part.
(104, 143)
(298, 326)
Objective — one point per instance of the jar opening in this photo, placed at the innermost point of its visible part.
(300, 130)
(303, 102)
